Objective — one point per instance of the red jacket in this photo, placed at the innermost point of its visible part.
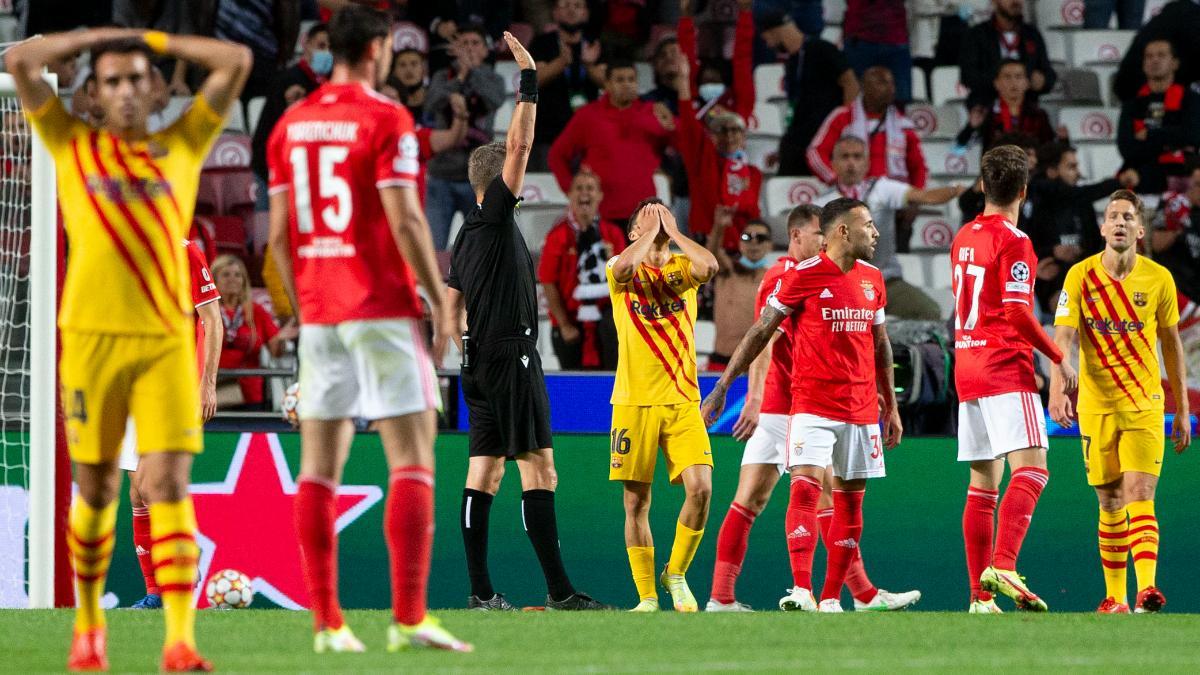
(740, 98)
(559, 261)
(820, 150)
(622, 147)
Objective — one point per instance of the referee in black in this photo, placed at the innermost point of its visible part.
(492, 275)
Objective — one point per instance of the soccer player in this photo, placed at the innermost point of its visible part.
(210, 330)
(654, 396)
(1000, 415)
(1124, 304)
(841, 365)
(127, 197)
(348, 236)
(492, 279)
(764, 419)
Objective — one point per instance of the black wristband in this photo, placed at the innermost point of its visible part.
(528, 91)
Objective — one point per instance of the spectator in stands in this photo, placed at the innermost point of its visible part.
(1159, 128)
(571, 271)
(1011, 112)
(624, 26)
(883, 197)
(1006, 37)
(736, 285)
(1178, 23)
(724, 183)
(971, 202)
(248, 328)
(569, 75)
(1063, 227)
(617, 137)
(447, 190)
(893, 148)
(665, 62)
(268, 27)
(410, 80)
(489, 18)
(1096, 13)
(875, 33)
(710, 84)
(817, 79)
(1175, 239)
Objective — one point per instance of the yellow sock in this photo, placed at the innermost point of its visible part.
(1114, 552)
(174, 551)
(683, 550)
(91, 543)
(641, 563)
(1143, 542)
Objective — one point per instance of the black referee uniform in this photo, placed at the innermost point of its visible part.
(503, 383)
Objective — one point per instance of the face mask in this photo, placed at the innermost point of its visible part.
(321, 62)
(754, 264)
(572, 28)
(711, 90)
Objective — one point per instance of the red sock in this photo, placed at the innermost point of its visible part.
(842, 542)
(856, 576)
(979, 524)
(801, 524)
(315, 512)
(731, 551)
(141, 544)
(408, 529)
(1016, 512)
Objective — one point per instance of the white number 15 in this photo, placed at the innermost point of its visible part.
(335, 216)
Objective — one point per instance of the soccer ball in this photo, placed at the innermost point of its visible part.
(229, 589)
(291, 400)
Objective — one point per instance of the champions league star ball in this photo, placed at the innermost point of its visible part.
(229, 589)
(291, 400)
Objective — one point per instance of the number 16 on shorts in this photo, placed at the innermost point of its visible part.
(619, 444)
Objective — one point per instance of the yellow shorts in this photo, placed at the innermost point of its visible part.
(106, 379)
(639, 431)
(1121, 441)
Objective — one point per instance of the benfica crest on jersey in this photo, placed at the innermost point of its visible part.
(1139, 299)
(868, 289)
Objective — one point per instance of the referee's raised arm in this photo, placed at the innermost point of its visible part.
(520, 130)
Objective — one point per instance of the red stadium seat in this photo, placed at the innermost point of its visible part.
(229, 234)
(208, 198)
(230, 151)
(238, 192)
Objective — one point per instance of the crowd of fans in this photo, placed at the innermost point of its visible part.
(605, 129)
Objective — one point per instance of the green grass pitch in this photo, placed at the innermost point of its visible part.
(535, 642)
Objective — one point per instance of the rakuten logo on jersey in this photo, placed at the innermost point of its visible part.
(848, 319)
(1114, 326)
(657, 310)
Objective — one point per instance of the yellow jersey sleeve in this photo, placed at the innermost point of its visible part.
(684, 264)
(615, 287)
(55, 125)
(1167, 313)
(1067, 312)
(197, 128)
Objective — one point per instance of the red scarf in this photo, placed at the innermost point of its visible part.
(1172, 102)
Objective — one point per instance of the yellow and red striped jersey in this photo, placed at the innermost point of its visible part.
(126, 206)
(655, 314)
(1118, 323)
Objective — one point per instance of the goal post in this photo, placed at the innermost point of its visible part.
(29, 267)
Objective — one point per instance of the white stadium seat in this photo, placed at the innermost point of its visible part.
(503, 118)
(944, 85)
(1056, 45)
(939, 271)
(758, 148)
(911, 268)
(835, 11)
(541, 189)
(944, 297)
(1090, 124)
(932, 232)
(923, 38)
(832, 34)
(511, 75)
(1099, 46)
(920, 90)
(1099, 160)
(662, 187)
(1060, 13)
(768, 82)
(786, 192)
(943, 158)
(935, 122)
(254, 108)
(235, 119)
(645, 75)
(766, 120)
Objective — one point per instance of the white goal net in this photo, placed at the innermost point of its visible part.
(28, 241)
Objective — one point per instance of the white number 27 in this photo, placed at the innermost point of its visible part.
(335, 216)
(972, 312)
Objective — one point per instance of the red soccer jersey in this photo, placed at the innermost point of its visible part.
(204, 291)
(333, 151)
(992, 262)
(777, 390)
(833, 344)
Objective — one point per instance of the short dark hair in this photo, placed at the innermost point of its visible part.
(1050, 154)
(352, 30)
(835, 211)
(484, 164)
(478, 29)
(1007, 62)
(641, 205)
(662, 44)
(316, 29)
(616, 64)
(757, 222)
(121, 46)
(1005, 171)
(802, 214)
(409, 50)
(1130, 196)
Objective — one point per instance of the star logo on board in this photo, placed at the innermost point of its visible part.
(245, 521)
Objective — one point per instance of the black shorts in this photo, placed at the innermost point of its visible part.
(507, 407)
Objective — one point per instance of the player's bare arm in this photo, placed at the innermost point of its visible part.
(27, 60)
(747, 421)
(704, 263)
(227, 63)
(748, 349)
(885, 382)
(214, 336)
(456, 306)
(281, 247)
(644, 232)
(415, 241)
(1062, 380)
(939, 195)
(519, 142)
(1172, 352)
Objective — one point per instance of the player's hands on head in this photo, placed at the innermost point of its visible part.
(520, 55)
(1181, 433)
(668, 221)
